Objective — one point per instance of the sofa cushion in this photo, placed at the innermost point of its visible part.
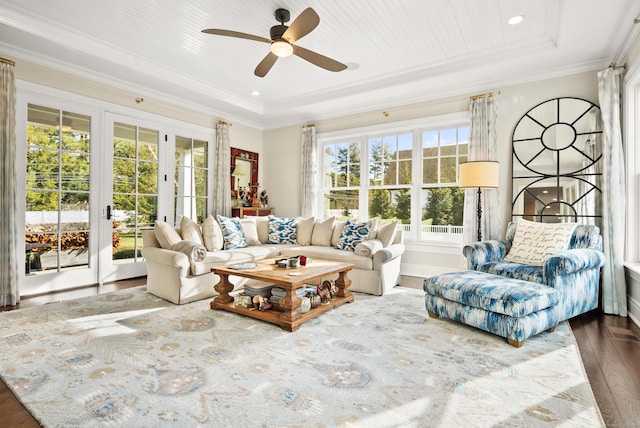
(322, 231)
(352, 234)
(329, 253)
(262, 224)
(514, 270)
(304, 230)
(534, 242)
(386, 233)
(190, 231)
(232, 233)
(250, 231)
(166, 234)
(212, 234)
(282, 230)
(338, 225)
(492, 293)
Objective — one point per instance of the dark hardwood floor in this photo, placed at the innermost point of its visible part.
(609, 346)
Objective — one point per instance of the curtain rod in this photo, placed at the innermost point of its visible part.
(309, 125)
(613, 65)
(7, 61)
(222, 122)
(475, 97)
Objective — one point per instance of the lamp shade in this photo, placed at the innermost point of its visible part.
(478, 174)
(238, 171)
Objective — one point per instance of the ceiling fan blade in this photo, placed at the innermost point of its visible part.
(319, 60)
(237, 34)
(302, 25)
(265, 65)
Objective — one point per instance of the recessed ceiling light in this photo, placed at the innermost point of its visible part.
(516, 19)
(255, 93)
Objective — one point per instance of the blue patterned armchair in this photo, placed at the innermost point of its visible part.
(574, 273)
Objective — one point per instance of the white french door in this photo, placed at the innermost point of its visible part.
(57, 166)
(134, 186)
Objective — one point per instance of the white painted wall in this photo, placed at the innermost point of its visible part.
(282, 150)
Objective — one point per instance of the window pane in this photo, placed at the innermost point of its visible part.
(76, 129)
(430, 171)
(404, 172)
(148, 145)
(124, 173)
(442, 206)
(147, 211)
(124, 209)
(147, 177)
(405, 146)
(430, 143)
(200, 153)
(74, 211)
(75, 171)
(200, 182)
(42, 168)
(341, 203)
(448, 170)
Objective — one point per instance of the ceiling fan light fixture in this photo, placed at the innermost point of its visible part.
(516, 19)
(281, 48)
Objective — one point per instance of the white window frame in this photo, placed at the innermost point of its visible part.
(415, 127)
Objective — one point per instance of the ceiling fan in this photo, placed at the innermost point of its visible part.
(282, 41)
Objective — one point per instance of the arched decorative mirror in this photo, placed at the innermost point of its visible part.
(556, 169)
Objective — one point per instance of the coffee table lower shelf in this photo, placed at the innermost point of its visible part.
(280, 318)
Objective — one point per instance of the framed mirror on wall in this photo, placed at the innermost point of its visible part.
(244, 172)
(557, 166)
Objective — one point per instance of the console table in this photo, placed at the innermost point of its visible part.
(253, 211)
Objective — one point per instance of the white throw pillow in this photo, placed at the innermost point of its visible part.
(190, 231)
(166, 235)
(386, 233)
(534, 242)
(212, 234)
(321, 234)
(262, 224)
(250, 230)
(338, 225)
(305, 230)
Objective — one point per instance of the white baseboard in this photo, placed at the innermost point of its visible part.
(633, 310)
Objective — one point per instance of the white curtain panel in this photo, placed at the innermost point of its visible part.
(482, 146)
(9, 265)
(614, 289)
(309, 173)
(222, 184)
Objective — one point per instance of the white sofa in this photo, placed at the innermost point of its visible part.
(172, 276)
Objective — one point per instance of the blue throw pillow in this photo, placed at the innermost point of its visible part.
(352, 234)
(232, 233)
(282, 230)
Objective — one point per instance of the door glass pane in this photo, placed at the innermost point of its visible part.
(135, 188)
(191, 179)
(57, 190)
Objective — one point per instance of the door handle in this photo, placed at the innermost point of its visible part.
(108, 212)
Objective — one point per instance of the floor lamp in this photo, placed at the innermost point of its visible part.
(478, 175)
(238, 172)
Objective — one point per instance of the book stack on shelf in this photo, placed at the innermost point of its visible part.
(278, 293)
(258, 288)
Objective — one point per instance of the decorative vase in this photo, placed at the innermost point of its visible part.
(314, 299)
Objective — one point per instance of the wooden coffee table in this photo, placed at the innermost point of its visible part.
(288, 317)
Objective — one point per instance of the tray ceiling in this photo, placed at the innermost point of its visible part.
(398, 51)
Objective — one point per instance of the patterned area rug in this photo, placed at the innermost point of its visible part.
(130, 359)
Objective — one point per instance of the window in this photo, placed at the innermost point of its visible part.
(341, 178)
(191, 178)
(412, 176)
(442, 201)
